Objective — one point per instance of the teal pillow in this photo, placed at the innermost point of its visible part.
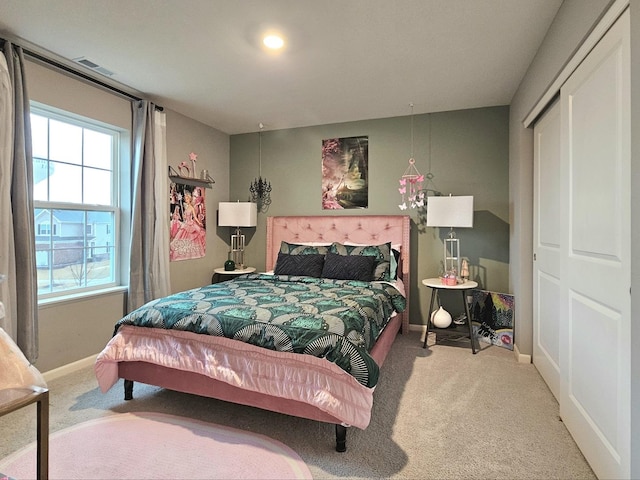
(381, 253)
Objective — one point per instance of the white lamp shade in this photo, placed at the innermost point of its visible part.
(450, 211)
(237, 214)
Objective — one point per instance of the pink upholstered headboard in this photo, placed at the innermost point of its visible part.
(368, 229)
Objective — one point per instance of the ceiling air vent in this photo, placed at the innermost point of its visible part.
(93, 66)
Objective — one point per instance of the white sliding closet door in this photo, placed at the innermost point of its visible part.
(595, 262)
(547, 230)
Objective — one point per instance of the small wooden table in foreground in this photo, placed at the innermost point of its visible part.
(12, 399)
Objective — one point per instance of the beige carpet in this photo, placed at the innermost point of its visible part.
(438, 413)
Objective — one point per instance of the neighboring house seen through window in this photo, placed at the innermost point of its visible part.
(75, 184)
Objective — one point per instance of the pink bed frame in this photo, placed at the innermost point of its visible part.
(372, 230)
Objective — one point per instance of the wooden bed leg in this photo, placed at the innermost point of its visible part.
(128, 389)
(341, 438)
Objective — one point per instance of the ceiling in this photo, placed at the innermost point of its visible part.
(343, 60)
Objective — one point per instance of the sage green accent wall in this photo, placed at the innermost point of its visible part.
(467, 151)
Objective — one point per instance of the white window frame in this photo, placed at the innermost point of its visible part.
(119, 140)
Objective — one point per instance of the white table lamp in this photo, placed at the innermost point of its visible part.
(237, 214)
(451, 212)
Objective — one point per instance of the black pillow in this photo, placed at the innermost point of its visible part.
(351, 267)
(301, 265)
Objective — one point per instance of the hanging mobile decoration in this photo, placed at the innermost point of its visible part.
(411, 181)
(260, 188)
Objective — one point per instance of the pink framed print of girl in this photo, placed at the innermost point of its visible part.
(187, 230)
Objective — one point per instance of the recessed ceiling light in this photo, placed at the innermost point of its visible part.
(273, 41)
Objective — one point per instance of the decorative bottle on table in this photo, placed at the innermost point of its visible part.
(441, 318)
(229, 265)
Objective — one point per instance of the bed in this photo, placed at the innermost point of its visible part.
(333, 385)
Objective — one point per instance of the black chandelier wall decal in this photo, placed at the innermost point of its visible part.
(260, 188)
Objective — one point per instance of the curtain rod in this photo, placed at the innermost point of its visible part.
(77, 73)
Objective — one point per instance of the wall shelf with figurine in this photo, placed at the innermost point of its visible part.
(206, 182)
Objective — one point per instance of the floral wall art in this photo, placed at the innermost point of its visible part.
(345, 173)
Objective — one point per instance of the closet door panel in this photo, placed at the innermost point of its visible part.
(596, 163)
(595, 337)
(546, 248)
(594, 333)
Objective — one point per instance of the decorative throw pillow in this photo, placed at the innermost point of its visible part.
(301, 249)
(381, 254)
(395, 259)
(301, 265)
(341, 267)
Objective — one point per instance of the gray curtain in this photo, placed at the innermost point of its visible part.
(19, 292)
(149, 248)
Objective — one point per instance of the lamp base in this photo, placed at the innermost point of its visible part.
(237, 249)
(452, 256)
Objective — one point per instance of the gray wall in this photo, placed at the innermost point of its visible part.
(185, 135)
(573, 22)
(469, 156)
(77, 328)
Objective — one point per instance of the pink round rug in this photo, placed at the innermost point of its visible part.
(155, 445)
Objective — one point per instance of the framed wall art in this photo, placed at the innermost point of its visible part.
(345, 173)
(188, 225)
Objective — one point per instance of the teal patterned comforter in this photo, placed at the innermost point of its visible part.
(339, 320)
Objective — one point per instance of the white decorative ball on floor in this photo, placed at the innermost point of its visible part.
(441, 318)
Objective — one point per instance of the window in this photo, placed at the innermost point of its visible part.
(75, 185)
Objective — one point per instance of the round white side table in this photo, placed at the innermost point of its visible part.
(229, 274)
(436, 284)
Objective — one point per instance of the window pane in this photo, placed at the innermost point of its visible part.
(43, 245)
(97, 186)
(80, 251)
(102, 227)
(40, 179)
(97, 149)
(68, 266)
(99, 251)
(39, 136)
(65, 142)
(65, 183)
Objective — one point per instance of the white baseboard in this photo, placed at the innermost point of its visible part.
(520, 357)
(69, 368)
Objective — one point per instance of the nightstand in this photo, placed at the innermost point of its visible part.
(436, 284)
(224, 275)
